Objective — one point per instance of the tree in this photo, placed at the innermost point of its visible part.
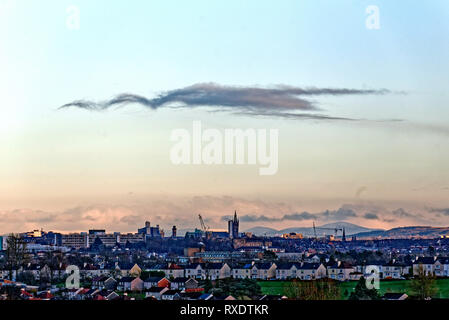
(423, 285)
(269, 255)
(12, 292)
(156, 273)
(361, 292)
(26, 277)
(16, 253)
(237, 288)
(208, 285)
(325, 289)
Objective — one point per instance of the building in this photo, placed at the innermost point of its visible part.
(197, 234)
(253, 243)
(395, 270)
(426, 263)
(264, 271)
(233, 227)
(442, 267)
(287, 270)
(171, 295)
(159, 282)
(104, 282)
(218, 271)
(438, 266)
(292, 235)
(218, 256)
(395, 296)
(130, 238)
(107, 240)
(196, 271)
(130, 284)
(33, 234)
(311, 271)
(340, 271)
(172, 270)
(75, 240)
(149, 231)
(155, 292)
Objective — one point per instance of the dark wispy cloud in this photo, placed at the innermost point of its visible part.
(444, 211)
(403, 213)
(263, 218)
(371, 216)
(281, 101)
(340, 214)
(296, 116)
(337, 215)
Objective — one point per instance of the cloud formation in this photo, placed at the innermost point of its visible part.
(443, 211)
(371, 216)
(342, 213)
(263, 218)
(281, 101)
(127, 216)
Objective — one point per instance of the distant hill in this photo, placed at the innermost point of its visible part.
(353, 229)
(260, 231)
(407, 232)
(350, 229)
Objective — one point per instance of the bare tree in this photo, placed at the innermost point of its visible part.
(16, 253)
(423, 285)
(325, 289)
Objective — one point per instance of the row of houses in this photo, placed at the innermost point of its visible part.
(156, 293)
(86, 271)
(262, 271)
(159, 288)
(439, 266)
(282, 271)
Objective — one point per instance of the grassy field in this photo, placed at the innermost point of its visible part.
(278, 287)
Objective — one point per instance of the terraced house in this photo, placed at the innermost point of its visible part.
(288, 270)
(218, 271)
(395, 270)
(196, 271)
(311, 271)
(426, 263)
(340, 271)
(261, 271)
(439, 266)
(172, 270)
(266, 270)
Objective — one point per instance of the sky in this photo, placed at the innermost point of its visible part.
(362, 113)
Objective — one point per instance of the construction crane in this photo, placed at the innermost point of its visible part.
(322, 228)
(203, 225)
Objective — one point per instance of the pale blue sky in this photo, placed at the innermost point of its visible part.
(52, 159)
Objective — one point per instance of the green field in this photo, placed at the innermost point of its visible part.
(278, 287)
